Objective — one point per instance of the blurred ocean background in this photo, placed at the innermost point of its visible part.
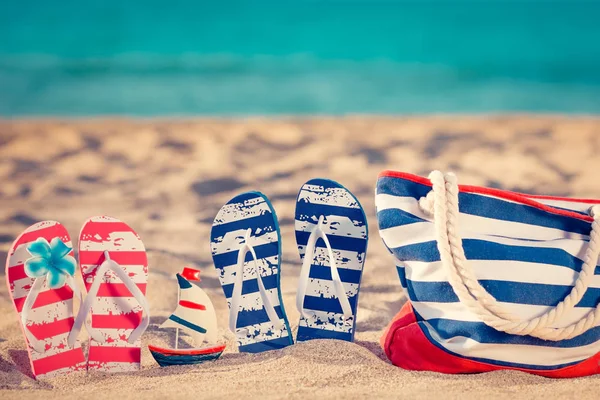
(149, 57)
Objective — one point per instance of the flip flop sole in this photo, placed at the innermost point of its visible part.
(115, 313)
(251, 210)
(51, 317)
(346, 228)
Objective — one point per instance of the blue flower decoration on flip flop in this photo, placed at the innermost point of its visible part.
(50, 259)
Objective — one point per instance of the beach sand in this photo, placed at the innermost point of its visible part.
(168, 179)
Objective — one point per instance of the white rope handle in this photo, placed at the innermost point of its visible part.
(236, 295)
(335, 275)
(38, 345)
(88, 303)
(442, 202)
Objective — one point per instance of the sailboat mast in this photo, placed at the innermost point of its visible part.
(177, 329)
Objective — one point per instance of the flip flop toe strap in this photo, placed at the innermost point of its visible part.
(82, 316)
(338, 285)
(236, 296)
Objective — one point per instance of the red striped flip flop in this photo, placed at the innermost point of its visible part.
(42, 293)
(115, 271)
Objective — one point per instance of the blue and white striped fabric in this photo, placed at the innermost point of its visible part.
(345, 226)
(255, 331)
(524, 251)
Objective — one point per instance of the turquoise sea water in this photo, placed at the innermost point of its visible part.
(175, 57)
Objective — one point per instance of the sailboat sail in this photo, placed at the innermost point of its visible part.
(194, 314)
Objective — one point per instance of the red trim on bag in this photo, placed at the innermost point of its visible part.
(537, 196)
(408, 347)
(505, 194)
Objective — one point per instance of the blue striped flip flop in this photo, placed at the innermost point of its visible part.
(246, 250)
(332, 235)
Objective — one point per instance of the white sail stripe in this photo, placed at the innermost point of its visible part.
(326, 289)
(513, 353)
(169, 323)
(335, 226)
(421, 232)
(137, 273)
(197, 337)
(472, 223)
(338, 197)
(233, 241)
(267, 332)
(238, 212)
(323, 321)
(118, 241)
(458, 312)
(499, 270)
(344, 259)
(191, 315)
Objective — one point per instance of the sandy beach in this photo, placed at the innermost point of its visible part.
(168, 179)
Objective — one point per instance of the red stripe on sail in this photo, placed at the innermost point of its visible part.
(191, 304)
(117, 321)
(65, 359)
(106, 354)
(45, 298)
(120, 257)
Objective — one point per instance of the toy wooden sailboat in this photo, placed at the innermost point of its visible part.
(194, 314)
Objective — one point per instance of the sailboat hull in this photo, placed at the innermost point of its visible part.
(167, 357)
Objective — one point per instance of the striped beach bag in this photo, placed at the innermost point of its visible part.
(494, 279)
